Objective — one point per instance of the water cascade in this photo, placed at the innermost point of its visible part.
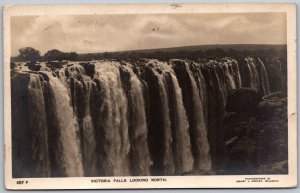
(122, 118)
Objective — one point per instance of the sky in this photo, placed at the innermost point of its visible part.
(105, 33)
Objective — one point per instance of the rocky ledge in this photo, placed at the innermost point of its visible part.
(256, 138)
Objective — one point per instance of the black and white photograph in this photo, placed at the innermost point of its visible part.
(138, 99)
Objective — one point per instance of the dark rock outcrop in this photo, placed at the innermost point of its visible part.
(54, 65)
(13, 65)
(21, 133)
(272, 106)
(34, 66)
(89, 68)
(256, 138)
(243, 99)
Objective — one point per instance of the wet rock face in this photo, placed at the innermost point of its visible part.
(13, 65)
(34, 66)
(54, 65)
(21, 133)
(155, 119)
(272, 107)
(277, 74)
(256, 141)
(89, 68)
(243, 99)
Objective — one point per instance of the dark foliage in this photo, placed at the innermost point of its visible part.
(29, 54)
(212, 53)
(59, 55)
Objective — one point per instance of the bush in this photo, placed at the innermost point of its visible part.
(29, 54)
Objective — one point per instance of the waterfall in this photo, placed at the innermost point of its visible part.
(201, 145)
(79, 89)
(71, 159)
(219, 85)
(166, 133)
(38, 124)
(183, 158)
(112, 121)
(264, 78)
(253, 72)
(236, 72)
(89, 141)
(139, 146)
(229, 75)
(183, 145)
(128, 118)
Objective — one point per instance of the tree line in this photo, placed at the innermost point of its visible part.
(212, 53)
(31, 54)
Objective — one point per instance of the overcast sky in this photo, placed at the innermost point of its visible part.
(100, 33)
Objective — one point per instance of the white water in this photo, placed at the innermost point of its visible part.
(89, 141)
(79, 144)
(264, 78)
(183, 154)
(253, 72)
(185, 157)
(139, 126)
(116, 145)
(229, 75)
(38, 124)
(71, 159)
(202, 145)
(168, 160)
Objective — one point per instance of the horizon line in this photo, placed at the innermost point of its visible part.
(148, 49)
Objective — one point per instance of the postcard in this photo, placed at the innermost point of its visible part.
(150, 96)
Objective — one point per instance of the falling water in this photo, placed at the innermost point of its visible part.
(168, 160)
(108, 118)
(264, 78)
(113, 117)
(80, 91)
(71, 159)
(229, 75)
(38, 124)
(139, 146)
(89, 141)
(183, 145)
(203, 161)
(181, 140)
(253, 72)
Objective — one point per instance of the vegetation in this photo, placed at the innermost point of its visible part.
(212, 53)
(58, 55)
(30, 54)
